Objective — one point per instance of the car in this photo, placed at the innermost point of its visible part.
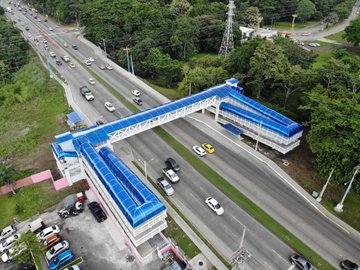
(102, 67)
(45, 41)
(45, 233)
(199, 150)
(58, 62)
(52, 54)
(349, 265)
(305, 34)
(75, 47)
(50, 242)
(165, 186)
(45, 20)
(301, 262)
(99, 122)
(109, 67)
(51, 29)
(39, 20)
(6, 232)
(136, 93)
(138, 101)
(91, 59)
(171, 163)
(73, 267)
(317, 44)
(87, 62)
(97, 212)
(208, 147)
(57, 249)
(8, 255)
(109, 106)
(91, 81)
(214, 205)
(46, 47)
(5, 245)
(72, 65)
(61, 260)
(27, 28)
(65, 58)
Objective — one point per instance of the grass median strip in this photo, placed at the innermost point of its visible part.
(229, 190)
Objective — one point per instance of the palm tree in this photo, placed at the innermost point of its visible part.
(7, 176)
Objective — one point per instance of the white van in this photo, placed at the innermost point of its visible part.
(37, 225)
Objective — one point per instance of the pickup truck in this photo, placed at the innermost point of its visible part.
(171, 175)
(86, 92)
(97, 212)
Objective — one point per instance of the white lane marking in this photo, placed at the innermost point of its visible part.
(291, 267)
(279, 255)
(238, 221)
(276, 172)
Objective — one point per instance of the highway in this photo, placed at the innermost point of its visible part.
(250, 176)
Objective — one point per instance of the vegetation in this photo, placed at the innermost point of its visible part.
(352, 32)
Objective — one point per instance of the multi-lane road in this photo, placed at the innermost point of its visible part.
(280, 199)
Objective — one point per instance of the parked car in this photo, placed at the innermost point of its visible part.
(136, 93)
(5, 245)
(73, 267)
(7, 231)
(171, 163)
(50, 242)
(48, 232)
(109, 67)
(8, 255)
(214, 205)
(349, 265)
(208, 147)
(102, 67)
(61, 260)
(301, 262)
(165, 186)
(57, 249)
(75, 47)
(138, 101)
(109, 106)
(199, 150)
(97, 212)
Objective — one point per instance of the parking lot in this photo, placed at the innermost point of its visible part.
(92, 241)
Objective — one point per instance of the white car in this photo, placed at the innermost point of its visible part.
(92, 81)
(6, 232)
(52, 54)
(73, 267)
(48, 232)
(51, 29)
(109, 67)
(57, 249)
(136, 93)
(9, 254)
(214, 205)
(9, 242)
(199, 150)
(109, 106)
(91, 59)
(87, 62)
(165, 186)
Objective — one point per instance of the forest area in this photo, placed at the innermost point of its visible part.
(176, 43)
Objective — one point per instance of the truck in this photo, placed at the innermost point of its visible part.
(97, 212)
(86, 92)
(171, 175)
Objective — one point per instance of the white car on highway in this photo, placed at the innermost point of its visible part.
(136, 93)
(52, 54)
(91, 59)
(214, 205)
(199, 150)
(92, 81)
(109, 67)
(109, 106)
(87, 62)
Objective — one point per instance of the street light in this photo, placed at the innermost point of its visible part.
(145, 165)
(339, 206)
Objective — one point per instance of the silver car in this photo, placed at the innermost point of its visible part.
(301, 262)
(57, 249)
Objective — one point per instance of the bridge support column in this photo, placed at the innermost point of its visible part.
(217, 111)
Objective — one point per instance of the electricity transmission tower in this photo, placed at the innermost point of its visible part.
(227, 43)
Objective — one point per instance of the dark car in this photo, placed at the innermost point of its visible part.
(172, 164)
(99, 122)
(301, 262)
(97, 212)
(138, 101)
(75, 47)
(58, 62)
(348, 265)
(27, 28)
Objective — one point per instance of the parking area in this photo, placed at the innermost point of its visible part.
(99, 244)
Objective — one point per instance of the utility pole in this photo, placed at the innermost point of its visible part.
(227, 43)
(293, 24)
(324, 187)
(104, 47)
(127, 58)
(189, 89)
(340, 205)
(132, 65)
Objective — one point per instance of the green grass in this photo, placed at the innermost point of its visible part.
(28, 201)
(298, 25)
(337, 37)
(38, 263)
(323, 58)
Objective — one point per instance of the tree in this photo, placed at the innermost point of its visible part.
(184, 40)
(267, 63)
(251, 17)
(335, 129)
(334, 73)
(210, 33)
(7, 176)
(180, 7)
(352, 32)
(26, 249)
(305, 10)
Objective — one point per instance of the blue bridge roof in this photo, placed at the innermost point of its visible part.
(135, 200)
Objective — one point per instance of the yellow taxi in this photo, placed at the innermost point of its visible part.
(208, 147)
(72, 65)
